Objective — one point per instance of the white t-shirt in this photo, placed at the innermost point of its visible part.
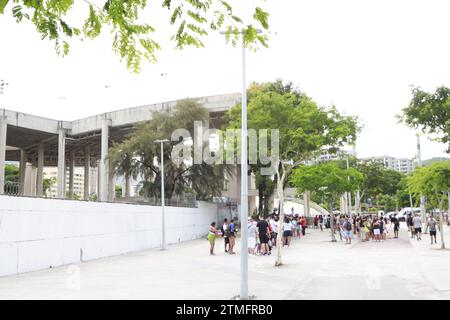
(287, 226)
(252, 230)
(417, 222)
(273, 225)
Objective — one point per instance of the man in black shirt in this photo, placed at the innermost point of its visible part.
(263, 230)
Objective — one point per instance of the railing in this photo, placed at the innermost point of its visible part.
(13, 188)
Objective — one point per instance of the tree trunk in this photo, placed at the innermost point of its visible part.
(260, 200)
(333, 237)
(266, 205)
(127, 186)
(441, 222)
(280, 193)
(357, 209)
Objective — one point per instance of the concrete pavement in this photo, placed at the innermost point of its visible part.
(314, 268)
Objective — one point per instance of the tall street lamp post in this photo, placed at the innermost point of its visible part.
(349, 194)
(163, 220)
(244, 183)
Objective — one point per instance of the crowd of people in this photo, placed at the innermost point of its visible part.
(263, 232)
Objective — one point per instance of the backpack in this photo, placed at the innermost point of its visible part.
(348, 226)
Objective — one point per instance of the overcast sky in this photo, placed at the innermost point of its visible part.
(362, 56)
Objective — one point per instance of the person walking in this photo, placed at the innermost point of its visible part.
(212, 238)
(432, 229)
(410, 224)
(396, 227)
(304, 224)
(321, 222)
(417, 223)
(348, 230)
(232, 236)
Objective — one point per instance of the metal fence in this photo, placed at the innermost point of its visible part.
(13, 188)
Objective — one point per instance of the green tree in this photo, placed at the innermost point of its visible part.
(434, 182)
(378, 181)
(140, 150)
(430, 112)
(266, 187)
(11, 173)
(328, 180)
(133, 35)
(304, 130)
(47, 184)
(118, 190)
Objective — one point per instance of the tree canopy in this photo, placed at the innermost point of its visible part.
(378, 180)
(430, 112)
(136, 156)
(304, 129)
(328, 180)
(434, 182)
(133, 35)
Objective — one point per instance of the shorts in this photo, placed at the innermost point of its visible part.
(418, 230)
(376, 232)
(274, 235)
(287, 233)
(211, 238)
(433, 233)
(263, 238)
(227, 240)
(251, 242)
(347, 234)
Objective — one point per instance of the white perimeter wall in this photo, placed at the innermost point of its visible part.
(42, 233)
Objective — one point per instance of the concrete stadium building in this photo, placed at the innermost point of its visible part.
(41, 143)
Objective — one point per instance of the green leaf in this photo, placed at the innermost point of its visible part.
(3, 4)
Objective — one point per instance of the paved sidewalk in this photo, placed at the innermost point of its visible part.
(314, 268)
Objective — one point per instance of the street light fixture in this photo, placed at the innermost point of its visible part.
(244, 183)
(163, 221)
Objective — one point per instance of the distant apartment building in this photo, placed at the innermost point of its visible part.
(403, 165)
(78, 181)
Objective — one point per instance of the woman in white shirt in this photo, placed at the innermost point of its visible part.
(287, 232)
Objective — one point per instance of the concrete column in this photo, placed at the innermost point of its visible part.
(33, 180)
(98, 180)
(3, 131)
(40, 171)
(87, 170)
(104, 167)
(71, 172)
(112, 186)
(61, 187)
(22, 171)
